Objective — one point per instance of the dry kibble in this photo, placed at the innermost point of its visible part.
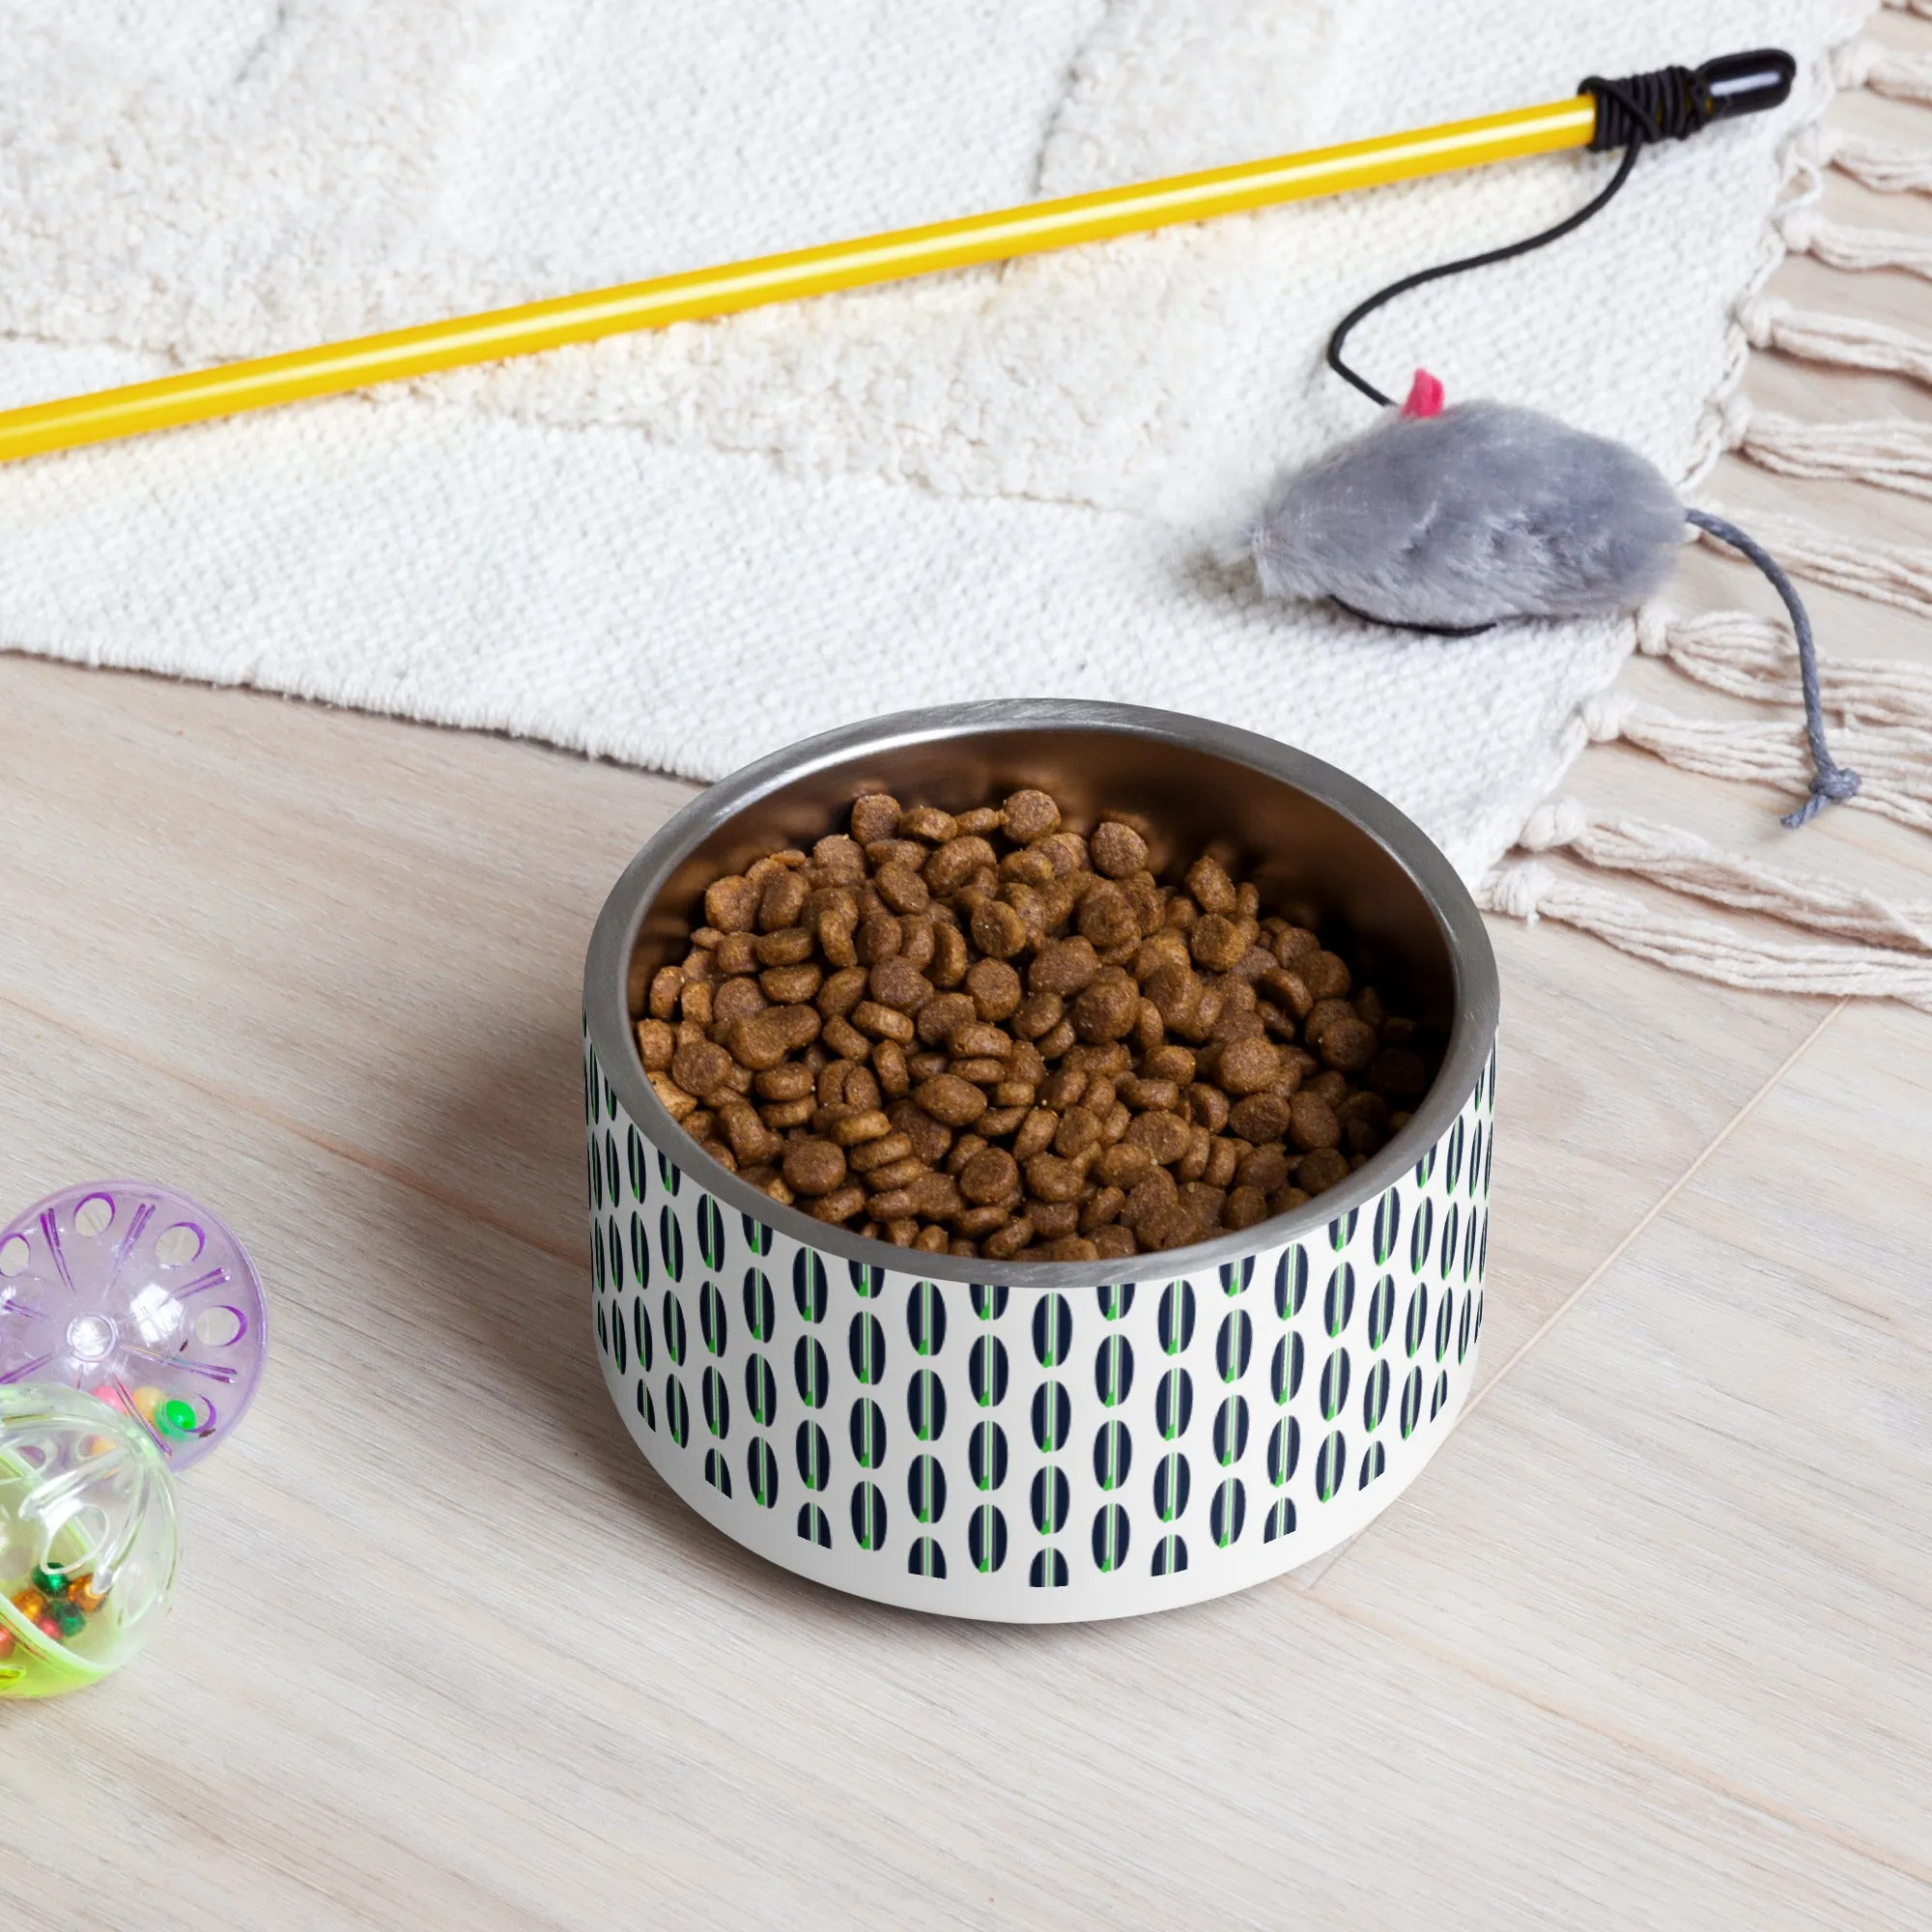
(1326, 974)
(1209, 886)
(812, 1166)
(874, 816)
(1216, 942)
(1312, 1122)
(996, 1036)
(1063, 966)
(656, 1043)
(1028, 815)
(731, 904)
(1348, 1046)
(1108, 1008)
(1320, 1169)
(1248, 1066)
(1117, 850)
(951, 1100)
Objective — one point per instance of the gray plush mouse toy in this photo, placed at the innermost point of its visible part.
(1453, 520)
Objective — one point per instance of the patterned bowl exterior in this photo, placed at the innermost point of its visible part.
(1036, 1455)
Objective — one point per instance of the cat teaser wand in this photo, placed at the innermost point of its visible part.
(1596, 117)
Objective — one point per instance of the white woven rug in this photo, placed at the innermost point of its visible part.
(686, 550)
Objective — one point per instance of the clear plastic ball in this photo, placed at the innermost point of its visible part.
(87, 1539)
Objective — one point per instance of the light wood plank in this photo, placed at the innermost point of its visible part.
(445, 1653)
(1696, 1515)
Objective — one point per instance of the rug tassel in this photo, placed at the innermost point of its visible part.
(1895, 455)
(1896, 574)
(1883, 69)
(1528, 890)
(1690, 865)
(1839, 246)
(1895, 765)
(1748, 656)
(1879, 166)
(1844, 341)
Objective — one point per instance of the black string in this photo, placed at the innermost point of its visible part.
(1645, 107)
(1671, 103)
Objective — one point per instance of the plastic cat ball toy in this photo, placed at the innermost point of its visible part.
(87, 1539)
(131, 1335)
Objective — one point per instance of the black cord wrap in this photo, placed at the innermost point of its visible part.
(1670, 104)
(1667, 106)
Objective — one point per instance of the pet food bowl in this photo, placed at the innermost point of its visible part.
(1059, 1441)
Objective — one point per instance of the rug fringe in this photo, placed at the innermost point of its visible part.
(1895, 454)
(1692, 866)
(1847, 342)
(1879, 166)
(1839, 246)
(1875, 948)
(1896, 574)
(1895, 764)
(1883, 69)
(1528, 890)
(1748, 656)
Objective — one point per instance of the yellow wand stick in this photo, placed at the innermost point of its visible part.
(1737, 84)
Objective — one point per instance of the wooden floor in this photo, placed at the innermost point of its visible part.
(1650, 1643)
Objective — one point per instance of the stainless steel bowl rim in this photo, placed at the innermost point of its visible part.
(1472, 962)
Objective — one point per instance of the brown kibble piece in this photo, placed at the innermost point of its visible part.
(1107, 918)
(874, 816)
(880, 1021)
(991, 1175)
(1216, 942)
(995, 989)
(1162, 1137)
(902, 889)
(782, 901)
(1028, 815)
(1063, 966)
(897, 984)
(656, 1043)
(701, 1069)
(928, 822)
(1243, 1209)
(1005, 1242)
(1108, 1008)
(1116, 850)
(998, 929)
(869, 1124)
(1320, 1169)
(1326, 974)
(951, 1100)
(789, 946)
(840, 857)
(1210, 887)
(812, 1166)
(1312, 1122)
(1052, 1178)
(786, 986)
(1348, 1046)
(954, 863)
(1248, 1066)
(731, 904)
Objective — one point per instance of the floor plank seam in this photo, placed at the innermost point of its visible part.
(347, 1151)
(1689, 1769)
(1652, 1213)
(1643, 1223)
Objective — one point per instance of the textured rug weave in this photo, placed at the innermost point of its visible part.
(687, 548)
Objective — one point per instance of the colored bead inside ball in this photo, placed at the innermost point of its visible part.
(87, 1539)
